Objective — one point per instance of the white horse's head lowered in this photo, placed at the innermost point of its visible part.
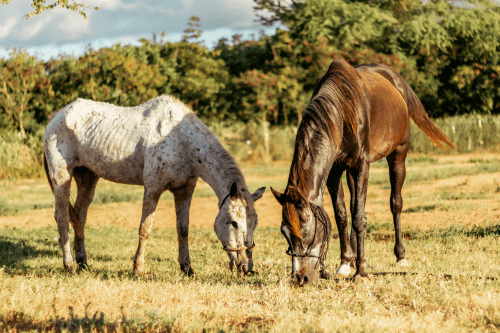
(235, 225)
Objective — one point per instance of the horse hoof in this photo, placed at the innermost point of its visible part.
(361, 279)
(82, 264)
(324, 275)
(190, 272)
(138, 272)
(252, 273)
(403, 263)
(187, 269)
(343, 271)
(70, 268)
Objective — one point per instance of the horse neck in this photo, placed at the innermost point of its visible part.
(214, 164)
(311, 166)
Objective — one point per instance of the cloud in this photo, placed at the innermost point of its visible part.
(118, 18)
(5, 29)
(110, 4)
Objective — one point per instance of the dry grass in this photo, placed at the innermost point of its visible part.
(36, 292)
(37, 295)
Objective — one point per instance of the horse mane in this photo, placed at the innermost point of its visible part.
(229, 166)
(333, 108)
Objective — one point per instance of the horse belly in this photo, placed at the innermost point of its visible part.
(115, 153)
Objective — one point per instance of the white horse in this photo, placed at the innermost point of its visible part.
(161, 145)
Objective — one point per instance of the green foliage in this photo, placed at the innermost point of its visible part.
(453, 46)
(40, 6)
(22, 81)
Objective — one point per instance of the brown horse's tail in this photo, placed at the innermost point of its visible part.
(417, 113)
(73, 216)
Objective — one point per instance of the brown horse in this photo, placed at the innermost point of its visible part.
(356, 116)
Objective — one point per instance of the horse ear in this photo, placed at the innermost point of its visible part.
(293, 195)
(234, 191)
(258, 194)
(279, 196)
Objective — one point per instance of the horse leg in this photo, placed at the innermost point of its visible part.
(360, 179)
(352, 191)
(337, 194)
(182, 198)
(61, 182)
(86, 182)
(149, 203)
(397, 173)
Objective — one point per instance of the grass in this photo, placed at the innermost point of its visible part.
(37, 294)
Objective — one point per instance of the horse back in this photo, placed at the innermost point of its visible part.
(387, 110)
(114, 142)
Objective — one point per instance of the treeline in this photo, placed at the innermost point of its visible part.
(447, 50)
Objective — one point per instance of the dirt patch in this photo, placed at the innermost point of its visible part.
(424, 205)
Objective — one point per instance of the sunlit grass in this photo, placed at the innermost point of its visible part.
(37, 293)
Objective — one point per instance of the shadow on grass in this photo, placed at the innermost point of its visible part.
(152, 320)
(15, 252)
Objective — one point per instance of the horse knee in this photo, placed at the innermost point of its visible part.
(359, 223)
(396, 204)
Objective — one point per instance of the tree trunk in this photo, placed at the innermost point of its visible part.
(265, 127)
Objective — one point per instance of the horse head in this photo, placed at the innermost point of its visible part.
(235, 225)
(306, 227)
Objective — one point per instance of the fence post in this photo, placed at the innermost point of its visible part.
(265, 127)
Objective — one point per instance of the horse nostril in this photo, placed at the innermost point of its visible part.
(234, 224)
(306, 279)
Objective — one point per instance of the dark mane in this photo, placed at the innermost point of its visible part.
(333, 107)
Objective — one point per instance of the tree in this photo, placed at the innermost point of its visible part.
(454, 45)
(40, 6)
(19, 77)
(193, 31)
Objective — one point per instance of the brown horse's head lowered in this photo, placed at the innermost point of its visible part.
(307, 229)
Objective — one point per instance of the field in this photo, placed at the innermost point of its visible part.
(450, 221)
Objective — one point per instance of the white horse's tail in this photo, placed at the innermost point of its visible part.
(73, 216)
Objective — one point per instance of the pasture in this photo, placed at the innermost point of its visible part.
(450, 221)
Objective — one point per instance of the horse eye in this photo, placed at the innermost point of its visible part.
(234, 224)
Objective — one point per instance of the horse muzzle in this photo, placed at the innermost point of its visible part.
(304, 276)
(241, 257)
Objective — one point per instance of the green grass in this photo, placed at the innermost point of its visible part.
(38, 295)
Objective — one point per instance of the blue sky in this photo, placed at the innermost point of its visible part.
(61, 31)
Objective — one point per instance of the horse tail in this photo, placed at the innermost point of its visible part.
(417, 113)
(73, 216)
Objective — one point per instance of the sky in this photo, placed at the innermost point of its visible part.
(61, 31)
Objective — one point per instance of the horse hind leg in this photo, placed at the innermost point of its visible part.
(182, 198)
(397, 173)
(61, 182)
(86, 182)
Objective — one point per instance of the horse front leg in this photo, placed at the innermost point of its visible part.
(182, 198)
(352, 191)
(359, 222)
(149, 203)
(337, 195)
